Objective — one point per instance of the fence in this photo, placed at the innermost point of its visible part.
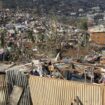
(46, 91)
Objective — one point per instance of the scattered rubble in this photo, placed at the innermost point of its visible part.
(40, 46)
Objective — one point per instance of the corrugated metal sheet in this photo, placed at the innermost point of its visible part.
(46, 91)
(3, 91)
(103, 95)
(18, 79)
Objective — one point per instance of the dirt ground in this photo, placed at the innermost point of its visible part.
(75, 52)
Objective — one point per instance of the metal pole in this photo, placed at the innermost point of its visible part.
(92, 75)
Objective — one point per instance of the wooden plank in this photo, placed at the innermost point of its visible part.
(15, 95)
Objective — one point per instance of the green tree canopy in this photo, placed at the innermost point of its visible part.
(82, 24)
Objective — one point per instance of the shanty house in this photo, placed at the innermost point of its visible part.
(97, 35)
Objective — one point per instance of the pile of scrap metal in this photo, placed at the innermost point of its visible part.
(44, 67)
(92, 73)
(67, 69)
(17, 76)
(92, 58)
(52, 68)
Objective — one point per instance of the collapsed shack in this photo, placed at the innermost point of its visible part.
(82, 72)
(15, 79)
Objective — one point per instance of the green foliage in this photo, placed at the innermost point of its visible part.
(82, 24)
(41, 37)
(30, 35)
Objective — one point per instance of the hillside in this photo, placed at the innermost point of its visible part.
(59, 6)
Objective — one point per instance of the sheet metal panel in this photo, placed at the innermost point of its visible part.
(103, 95)
(46, 91)
(3, 90)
